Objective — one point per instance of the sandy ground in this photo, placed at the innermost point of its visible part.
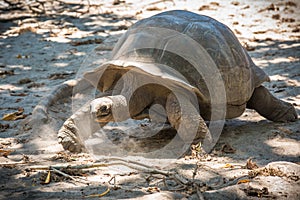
(45, 44)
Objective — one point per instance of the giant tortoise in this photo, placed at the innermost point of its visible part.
(185, 67)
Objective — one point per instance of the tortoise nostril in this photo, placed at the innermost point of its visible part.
(103, 109)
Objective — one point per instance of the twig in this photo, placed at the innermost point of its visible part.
(145, 168)
(68, 166)
(131, 164)
(160, 1)
(62, 173)
(69, 176)
(230, 183)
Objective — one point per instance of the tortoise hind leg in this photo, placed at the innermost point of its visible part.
(270, 107)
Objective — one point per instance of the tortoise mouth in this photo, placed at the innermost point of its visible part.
(103, 118)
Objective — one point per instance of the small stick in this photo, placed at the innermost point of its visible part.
(68, 166)
(67, 175)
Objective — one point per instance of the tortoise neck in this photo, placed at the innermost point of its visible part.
(120, 108)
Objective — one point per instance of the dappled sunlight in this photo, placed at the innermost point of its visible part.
(278, 77)
(21, 67)
(275, 60)
(287, 81)
(61, 64)
(46, 43)
(58, 39)
(284, 146)
(9, 87)
(278, 60)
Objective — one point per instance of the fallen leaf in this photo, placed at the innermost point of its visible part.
(117, 2)
(259, 32)
(18, 94)
(153, 189)
(99, 195)
(15, 115)
(48, 178)
(206, 7)
(250, 164)
(255, 192)
(5, 153)
(154, 8)
(228, 165)
(243, 181)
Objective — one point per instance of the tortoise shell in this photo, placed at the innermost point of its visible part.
(195, 51)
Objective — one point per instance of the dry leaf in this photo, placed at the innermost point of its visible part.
(243, 181)
(154, 8)
(259, 32)
(205, 7)
(5, 153)
(99, 195)
(250, 164)
(255, 192)
(18, 94)
(15, 115)
(228, 165)
(153, 189)
(48, 178)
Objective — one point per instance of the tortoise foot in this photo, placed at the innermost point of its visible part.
(68, 137)
(285, 113)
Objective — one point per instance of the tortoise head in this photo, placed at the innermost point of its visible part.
(101, 109)
(108, 109)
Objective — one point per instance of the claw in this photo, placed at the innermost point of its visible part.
(68, 137)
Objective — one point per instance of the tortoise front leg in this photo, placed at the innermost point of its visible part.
(270, 107)
(81, 121)
(185, 118)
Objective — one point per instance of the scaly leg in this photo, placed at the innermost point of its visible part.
(81, 122)
(185, 118)
(270, 107)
